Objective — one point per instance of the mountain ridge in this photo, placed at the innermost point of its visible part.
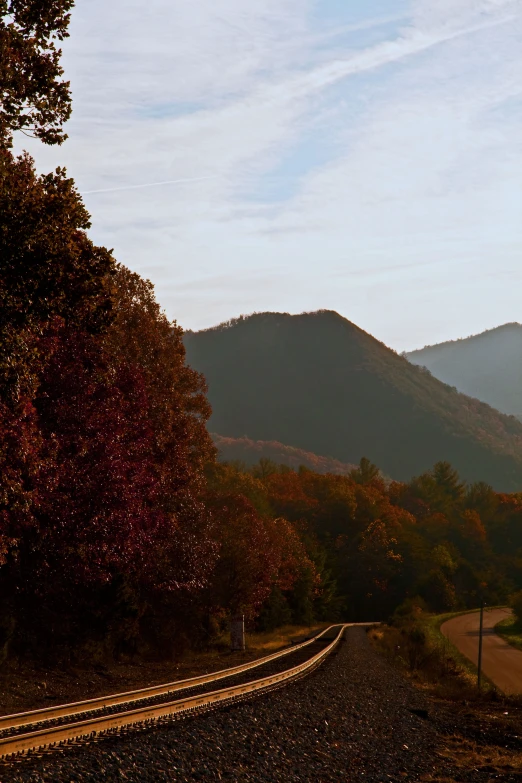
(318, 382)
(251, 451)
(487, 366)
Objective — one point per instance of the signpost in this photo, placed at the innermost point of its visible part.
(479, 680)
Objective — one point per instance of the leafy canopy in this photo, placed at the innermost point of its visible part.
(34, 98)
(48, 266)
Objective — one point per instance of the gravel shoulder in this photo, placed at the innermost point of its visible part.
(356, 718)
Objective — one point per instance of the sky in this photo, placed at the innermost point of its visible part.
(296, 155)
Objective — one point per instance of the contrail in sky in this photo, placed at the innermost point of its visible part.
(146, 185)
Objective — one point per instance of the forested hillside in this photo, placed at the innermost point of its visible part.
(378, 545)
(487, 366)
(251, 451)
(319, 383)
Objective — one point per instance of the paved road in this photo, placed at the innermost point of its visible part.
(501, 662)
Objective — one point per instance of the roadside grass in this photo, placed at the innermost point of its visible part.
(484, 728)
(511, 631)
(464, 668)
(417, 644)
(488, 758)
(267, 642)
(434, 624)
(271, 641)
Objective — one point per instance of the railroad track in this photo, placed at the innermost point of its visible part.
(63, 724)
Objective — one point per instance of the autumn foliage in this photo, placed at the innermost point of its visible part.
(114, 526)
(111, 530)
(387, 542)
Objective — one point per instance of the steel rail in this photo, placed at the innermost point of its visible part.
(100, 702)
(58, 735)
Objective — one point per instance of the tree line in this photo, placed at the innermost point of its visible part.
(379, 543)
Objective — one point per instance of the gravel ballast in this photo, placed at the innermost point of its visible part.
(356, 718)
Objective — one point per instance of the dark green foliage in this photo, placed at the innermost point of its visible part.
(275, 612)
(438, 591)
(366, 472)
(301, 599)
(482, 498)
(319, 383)
(516, 603)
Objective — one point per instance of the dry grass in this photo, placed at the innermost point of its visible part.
(468, 754)
(471, 757)
(430, 660)
(511, 631)
(29, 686)
(266, 643)
(486, 729)
(259, 644)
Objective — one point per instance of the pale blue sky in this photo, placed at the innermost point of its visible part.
(363, 157)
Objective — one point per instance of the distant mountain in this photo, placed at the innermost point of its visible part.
(251, 451)
(487, 366)
(319, 383)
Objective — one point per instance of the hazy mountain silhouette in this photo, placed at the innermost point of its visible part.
(251, 451)
(319, 383)
(487, 366)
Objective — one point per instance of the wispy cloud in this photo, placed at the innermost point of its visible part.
(146, 185)
(413, 42)
(411, 119)
(337, 31)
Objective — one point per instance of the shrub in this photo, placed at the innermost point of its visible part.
(516, 605)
